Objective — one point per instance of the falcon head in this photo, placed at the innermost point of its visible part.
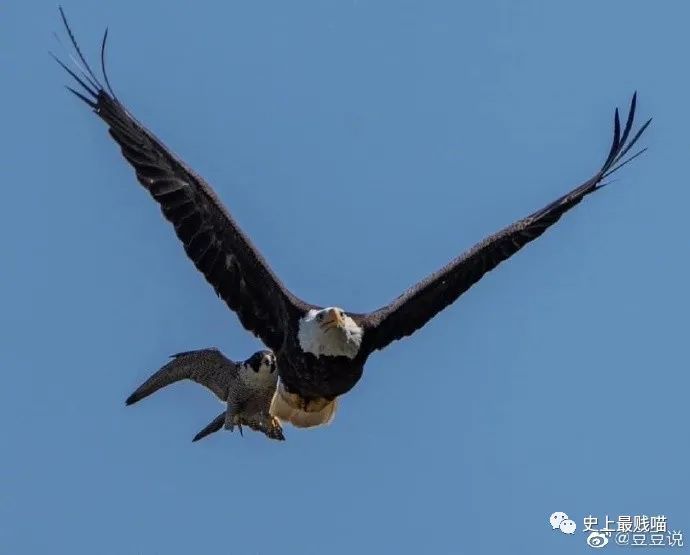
(262, 363)
(330, 332)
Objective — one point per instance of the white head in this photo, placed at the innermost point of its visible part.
(329, 332)
(259, 368)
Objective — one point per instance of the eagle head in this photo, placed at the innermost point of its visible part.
(330, 332)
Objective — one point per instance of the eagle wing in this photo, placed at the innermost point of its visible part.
(212, 239)
(419, 304)
(208, 367)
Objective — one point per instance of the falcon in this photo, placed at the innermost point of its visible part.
(247, 387)
(321, 351)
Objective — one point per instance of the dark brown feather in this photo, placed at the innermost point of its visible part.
(211, 238)
(414, 308)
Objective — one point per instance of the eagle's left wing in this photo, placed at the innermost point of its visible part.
(414, 308)
(212, 239)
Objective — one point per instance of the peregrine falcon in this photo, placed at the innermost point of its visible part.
(247, 388)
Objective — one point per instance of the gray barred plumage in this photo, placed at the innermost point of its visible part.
(247, 387)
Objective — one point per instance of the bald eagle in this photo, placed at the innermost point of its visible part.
(321, 351)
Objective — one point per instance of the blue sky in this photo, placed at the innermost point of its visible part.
(361, 145)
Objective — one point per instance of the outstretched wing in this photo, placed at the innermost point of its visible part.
(212, 427)
(414, 308)
(211, 238)
(208, 367)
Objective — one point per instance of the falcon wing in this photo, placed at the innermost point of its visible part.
(208, 367)
(269, 429)
(211, 238)
(212, 427)
(414, 308)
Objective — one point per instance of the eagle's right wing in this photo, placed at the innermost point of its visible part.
(211, 238)
(419, 304)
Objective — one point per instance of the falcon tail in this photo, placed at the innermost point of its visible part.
(300, 412)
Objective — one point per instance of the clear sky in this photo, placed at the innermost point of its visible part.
(361, 145)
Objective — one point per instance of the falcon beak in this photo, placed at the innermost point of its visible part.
(332, 319)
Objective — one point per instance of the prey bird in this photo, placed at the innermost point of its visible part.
(321, 351)
(247, 388)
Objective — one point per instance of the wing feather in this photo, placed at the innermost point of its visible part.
(212, 427)
(208, 367)
(210, 236)
(414, 308)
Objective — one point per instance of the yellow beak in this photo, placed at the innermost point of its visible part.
(332, 319)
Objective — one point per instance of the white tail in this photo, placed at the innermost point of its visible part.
(290, 407)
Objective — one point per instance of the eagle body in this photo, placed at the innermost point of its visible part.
(328, 378)
(321, 352)
(317, 376)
